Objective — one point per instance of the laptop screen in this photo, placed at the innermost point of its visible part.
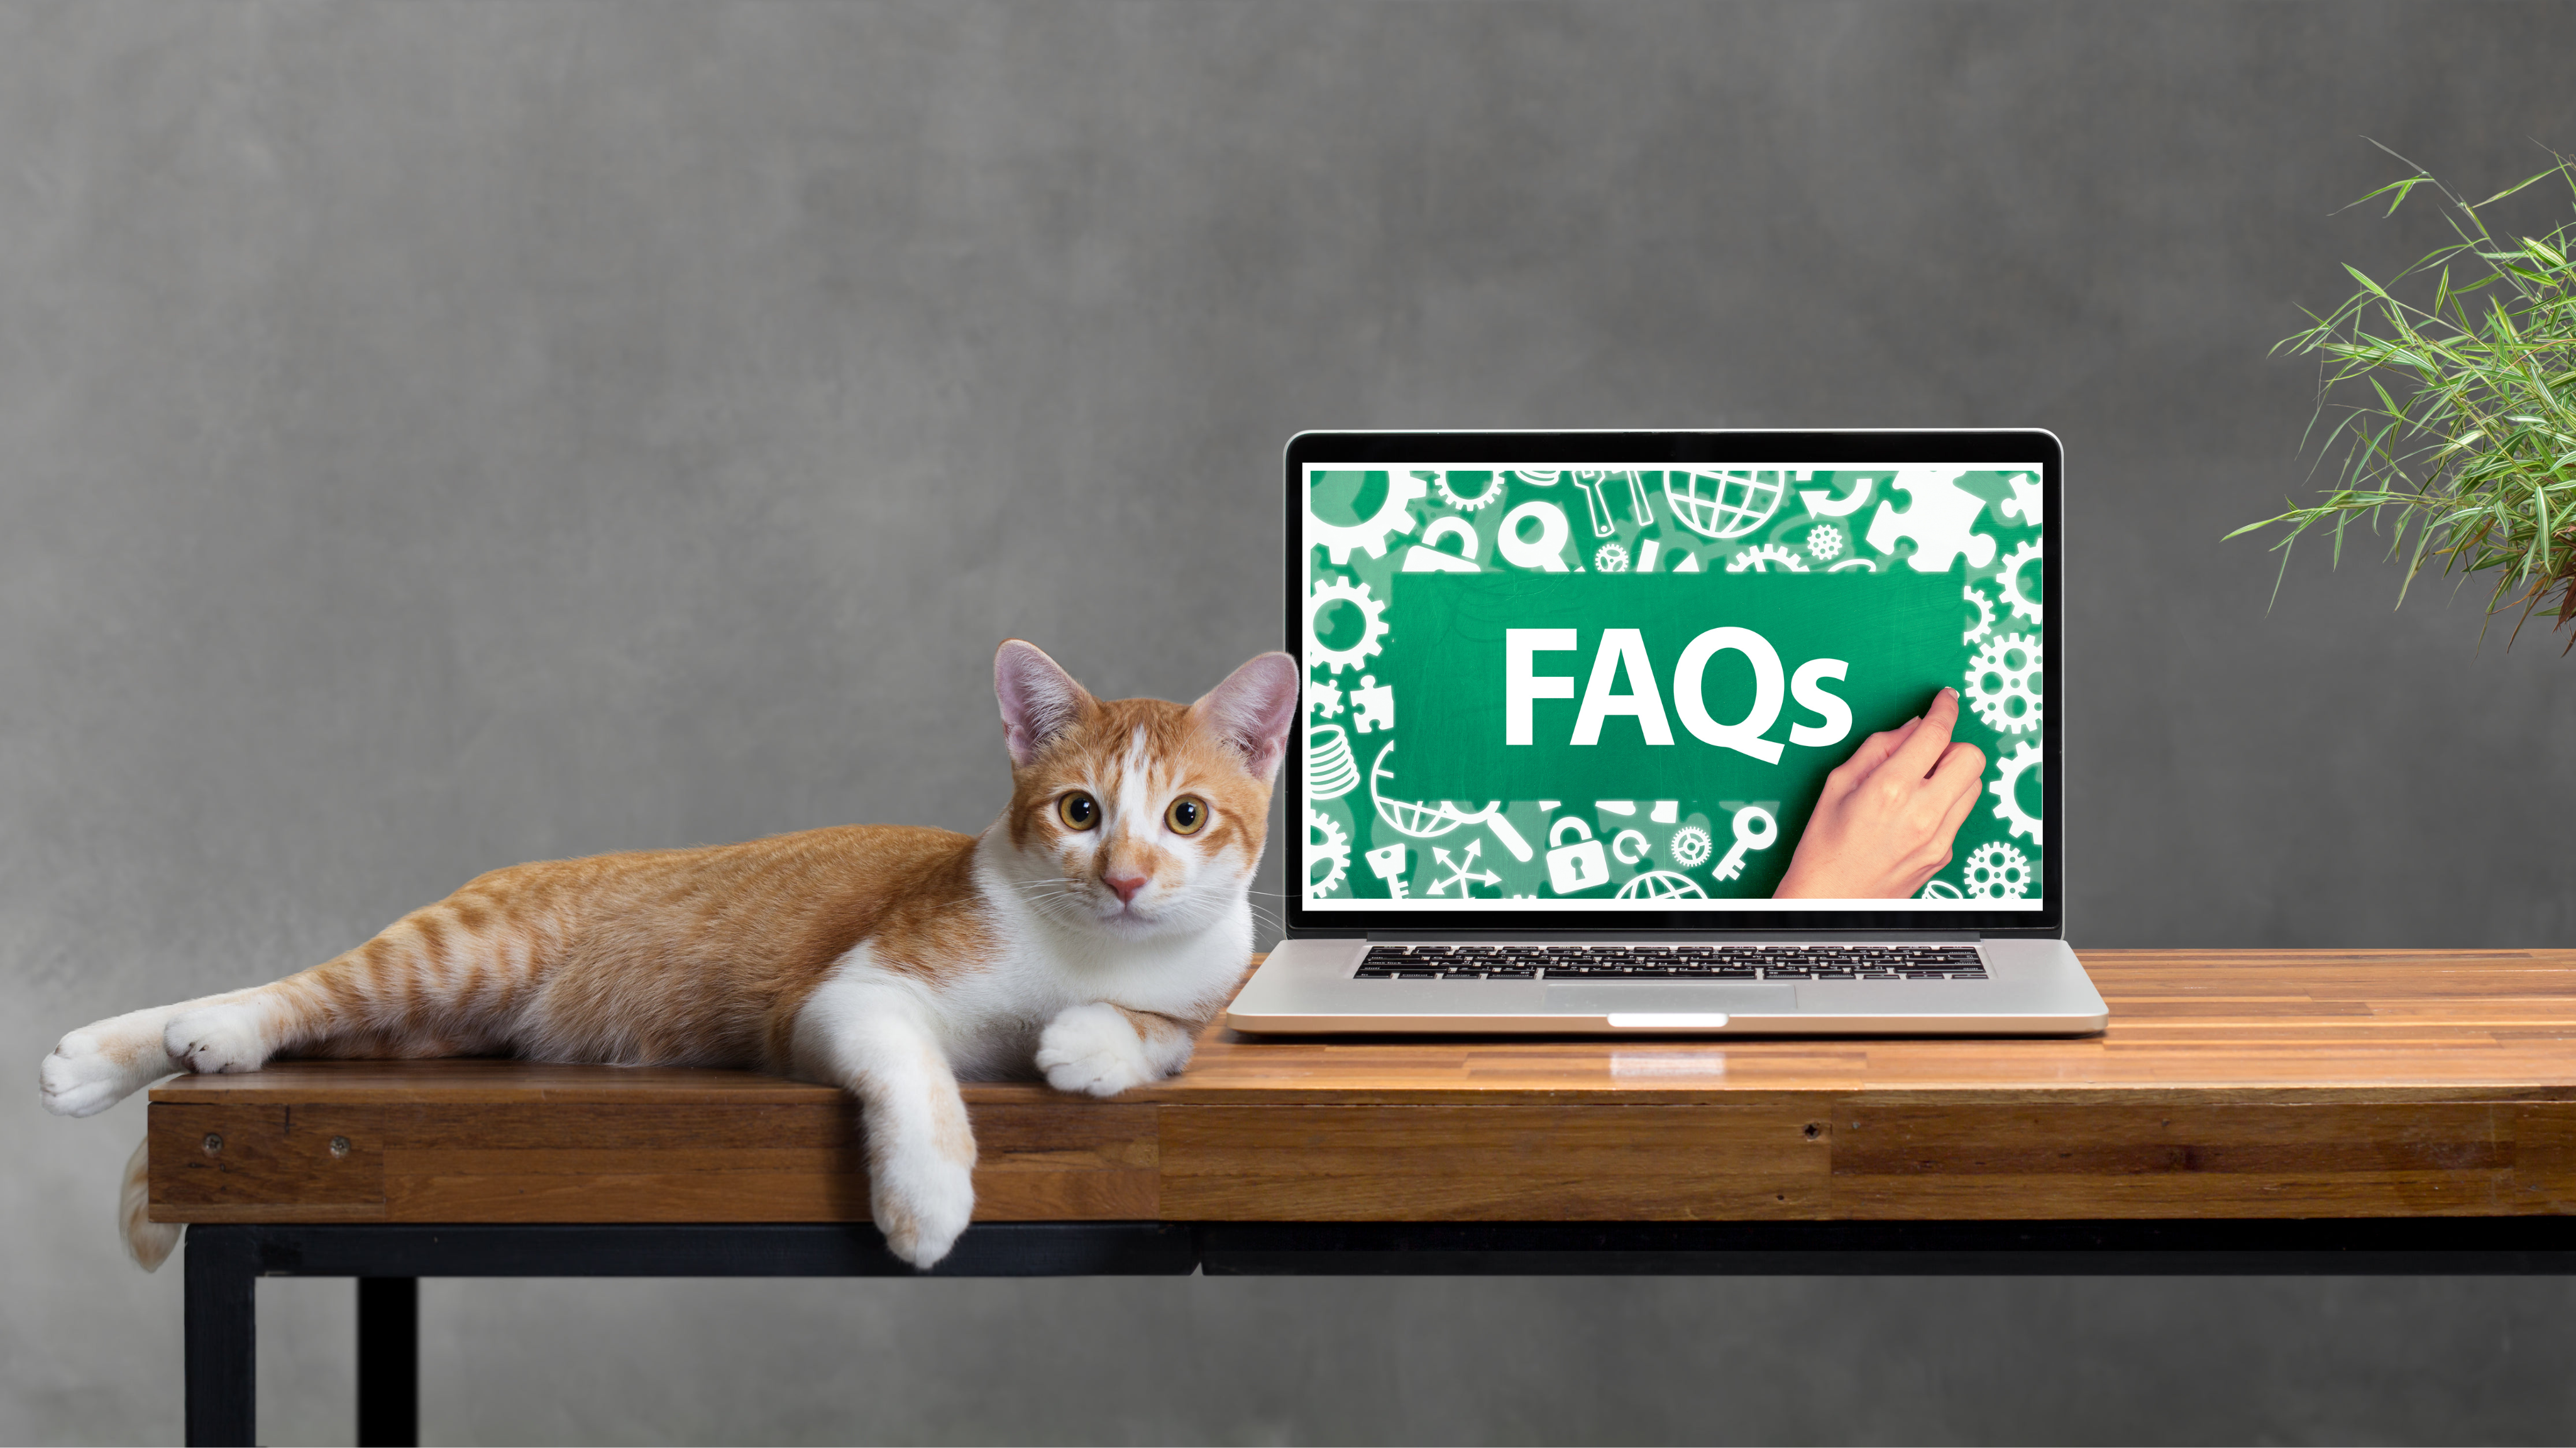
(1618, 690)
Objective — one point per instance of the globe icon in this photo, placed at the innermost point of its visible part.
(1727, 503)
(1662, 885)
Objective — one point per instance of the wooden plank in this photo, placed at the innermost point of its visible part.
(2544, 1155)
(632, 1196)
(2169, 1158)
(1961, 1159)
(2230, 1083)
(427, 1161)
(209, 1159)
(1490, 1163)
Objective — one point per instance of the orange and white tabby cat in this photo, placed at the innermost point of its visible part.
(1088, 934)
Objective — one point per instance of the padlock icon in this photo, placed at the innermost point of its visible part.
(1578, 866)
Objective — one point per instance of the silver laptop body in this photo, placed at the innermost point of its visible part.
(1422, 903)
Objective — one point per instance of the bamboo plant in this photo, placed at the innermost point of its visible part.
(2451, 389)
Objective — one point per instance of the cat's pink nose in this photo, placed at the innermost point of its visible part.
(1125, 885)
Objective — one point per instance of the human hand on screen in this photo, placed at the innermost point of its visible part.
(1884, 824)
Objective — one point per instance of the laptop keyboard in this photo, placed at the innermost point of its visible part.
(1672, 962)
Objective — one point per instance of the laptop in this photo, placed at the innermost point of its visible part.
(1572, 698)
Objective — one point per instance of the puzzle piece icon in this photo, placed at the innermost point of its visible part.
(1372, 706)
(1322, 699)
(1937, 518)
(2024, 503)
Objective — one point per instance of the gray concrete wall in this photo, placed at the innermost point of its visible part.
(433, 437)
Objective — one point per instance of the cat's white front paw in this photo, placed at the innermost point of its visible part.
(216, 1039)
(90, 1070)
(1091, 1050)
(922, 1201)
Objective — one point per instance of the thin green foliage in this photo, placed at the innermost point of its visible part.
(2454, 422)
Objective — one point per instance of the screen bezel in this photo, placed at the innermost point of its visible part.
(1707, 448)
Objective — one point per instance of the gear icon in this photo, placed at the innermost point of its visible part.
(1339, 590)
(2005, 789)
(2023, 606)
(1610, 557)
(1824, 542)
(1329, 846)
(1394, 515)
(1449, 495)
(1985, 623)
(1997, 872)
(1999, 683)
(1690, 847)
(1764, 558)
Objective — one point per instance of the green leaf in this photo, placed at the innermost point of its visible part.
(2455, 427)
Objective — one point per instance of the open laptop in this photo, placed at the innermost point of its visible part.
(1571, 697)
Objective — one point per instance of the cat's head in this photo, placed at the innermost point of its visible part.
(1139, 817)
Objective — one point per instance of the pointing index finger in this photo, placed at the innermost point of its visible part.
(1922, 749)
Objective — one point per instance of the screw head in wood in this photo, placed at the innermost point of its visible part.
(214, 1143)
(339, 1146)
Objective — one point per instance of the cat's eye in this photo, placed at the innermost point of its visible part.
(1078, 810)
(1186, 815)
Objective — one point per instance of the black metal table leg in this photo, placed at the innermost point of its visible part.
(223, 1335)
(388, 1362)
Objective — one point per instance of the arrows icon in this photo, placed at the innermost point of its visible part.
(1461, 871)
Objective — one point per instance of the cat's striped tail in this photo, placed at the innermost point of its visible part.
(148, 1242)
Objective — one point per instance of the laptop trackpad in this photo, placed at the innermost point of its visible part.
(1657, 999)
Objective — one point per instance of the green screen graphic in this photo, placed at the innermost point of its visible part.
(1622, 688)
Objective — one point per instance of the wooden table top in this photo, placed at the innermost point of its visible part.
(2236, 1083)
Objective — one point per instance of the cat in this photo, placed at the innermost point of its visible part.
(1086, 937)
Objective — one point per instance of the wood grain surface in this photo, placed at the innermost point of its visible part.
(2230, 1084)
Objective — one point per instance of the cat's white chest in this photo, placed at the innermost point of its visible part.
(988, 1011)
(1041, 972)
(1064, 964)
(988, 1014)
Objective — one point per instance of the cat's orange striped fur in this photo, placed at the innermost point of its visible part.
(1086, 935)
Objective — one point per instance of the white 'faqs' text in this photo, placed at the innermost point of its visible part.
(1622, 653)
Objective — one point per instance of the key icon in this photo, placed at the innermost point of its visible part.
(1755, 829)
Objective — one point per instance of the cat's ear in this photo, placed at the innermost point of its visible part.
(1039, 699)
(1252, 710)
